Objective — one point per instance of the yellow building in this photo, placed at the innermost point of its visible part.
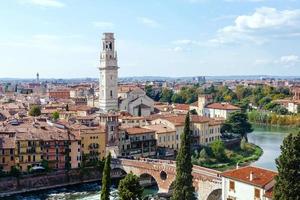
(204, 130)
(28, 153)
(7, 150)
(93, 142)
(164, 135)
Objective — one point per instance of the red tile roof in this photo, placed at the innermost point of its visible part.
(181, 107)
(261, 176)
(138, 130)
(223, 106)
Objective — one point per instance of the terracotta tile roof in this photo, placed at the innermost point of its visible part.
(200, 119)
(160, 128)
(261, 176)
(181, 106)
(180, 119)
(223, 106)
(138, 130)
(132, 118)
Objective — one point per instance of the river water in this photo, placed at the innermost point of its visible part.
(269, 139)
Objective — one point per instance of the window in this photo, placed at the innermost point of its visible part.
(111, 94)
(231, 185)
(257, 193)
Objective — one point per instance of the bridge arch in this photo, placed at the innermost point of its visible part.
(118, 172)
(147, 180)
(215, 195)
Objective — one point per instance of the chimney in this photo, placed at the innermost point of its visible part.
(251, 176)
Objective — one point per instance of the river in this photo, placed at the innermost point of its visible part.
(89, 191)
(269, 139)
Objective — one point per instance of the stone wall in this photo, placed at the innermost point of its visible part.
(28, 183)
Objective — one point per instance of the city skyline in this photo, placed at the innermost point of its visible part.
(61, 39)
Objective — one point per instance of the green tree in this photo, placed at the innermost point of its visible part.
(287, 186)
(203, 154)
(16, 172)
(183, 189)
(106, 180)
(238, 123)
(130, 188)
(35, 111)
(193, 112)
(166, 95)
(45, 164)
(177, 98)
(218, 149)
(55, 116)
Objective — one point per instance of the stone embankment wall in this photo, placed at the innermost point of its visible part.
(28, 183)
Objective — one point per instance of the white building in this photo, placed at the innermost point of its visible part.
(136, 102)
(108, 97)
(205, 107)
(293, 106)
(248, 183)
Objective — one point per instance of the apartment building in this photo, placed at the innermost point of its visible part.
(137, 142)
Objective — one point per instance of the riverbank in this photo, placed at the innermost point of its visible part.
(233, 157)
(36, 182)
(275, 120)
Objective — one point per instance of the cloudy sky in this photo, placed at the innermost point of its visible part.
(61, 38)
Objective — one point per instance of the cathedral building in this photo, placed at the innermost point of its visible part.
(136, 102)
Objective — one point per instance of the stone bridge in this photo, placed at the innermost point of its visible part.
(207, 182)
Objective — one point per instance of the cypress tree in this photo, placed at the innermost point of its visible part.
(287, 186)
(183, 189)
(106, 180)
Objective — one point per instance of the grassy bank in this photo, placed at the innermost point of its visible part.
(244, 157)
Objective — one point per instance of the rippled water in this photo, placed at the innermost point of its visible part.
(90, 191)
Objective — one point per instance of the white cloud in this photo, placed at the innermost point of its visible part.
(285, 61)
(177, 49)
(148, 22)
(44, 3)
(262, 22)
(289, 60)
(185, 42)
(103, 25)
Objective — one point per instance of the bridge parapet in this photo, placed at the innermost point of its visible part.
(205, 180)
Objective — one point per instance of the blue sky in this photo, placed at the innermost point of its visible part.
(61, 38)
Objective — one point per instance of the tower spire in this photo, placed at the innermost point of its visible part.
(108, 83)
(37, 78)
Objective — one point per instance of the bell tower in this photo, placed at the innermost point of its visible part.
(108, 90)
